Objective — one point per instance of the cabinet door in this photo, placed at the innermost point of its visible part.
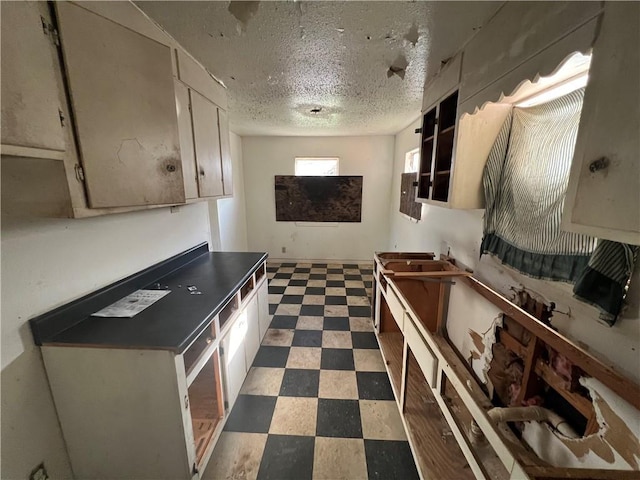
(185, 132)
(602, 197)
(253, 338)
(30, 93)
(207, 146)
(234, 359)
(123, 100)
(225, 152)
(263, 309)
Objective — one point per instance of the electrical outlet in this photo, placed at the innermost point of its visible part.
(284, 249)
(39, 473)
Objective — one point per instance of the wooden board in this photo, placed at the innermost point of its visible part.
(318, 199)
(408, 204)
(391, 344)
(438, 453)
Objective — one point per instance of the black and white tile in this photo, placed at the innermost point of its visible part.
(317, 402)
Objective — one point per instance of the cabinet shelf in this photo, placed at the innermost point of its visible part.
(448, 130)
(391, 344)
(424, 140)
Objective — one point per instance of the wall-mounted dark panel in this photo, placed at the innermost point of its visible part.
(408, 204)
(318, 199)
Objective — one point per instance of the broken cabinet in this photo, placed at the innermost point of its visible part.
(462, 359)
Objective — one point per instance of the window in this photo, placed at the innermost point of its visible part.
(322, 167)
(412, 161)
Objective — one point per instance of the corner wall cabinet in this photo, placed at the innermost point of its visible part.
(440, 352)
(454, 150)
(148, 396)
(64, 153)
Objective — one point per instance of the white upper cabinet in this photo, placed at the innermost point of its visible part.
(207, 146)
(185, 131)
(603, 198)
(122, 95)
(225, 152)
(31, 98)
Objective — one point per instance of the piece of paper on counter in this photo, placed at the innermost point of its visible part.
(133, 304)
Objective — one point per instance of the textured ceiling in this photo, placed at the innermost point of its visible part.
(362, 63)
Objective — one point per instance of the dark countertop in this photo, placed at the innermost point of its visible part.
(171, 323)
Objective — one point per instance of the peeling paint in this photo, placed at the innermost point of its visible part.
(412, 36)
(398, 67)
(483, 353)
(243, 11)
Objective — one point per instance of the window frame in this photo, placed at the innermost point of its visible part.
(319, 159)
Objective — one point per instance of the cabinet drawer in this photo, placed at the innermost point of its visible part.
(396, 308)
(427, 361)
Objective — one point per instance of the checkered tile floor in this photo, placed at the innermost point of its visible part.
(317, 402)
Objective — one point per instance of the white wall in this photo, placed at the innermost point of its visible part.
(232, 211)
(461, 231)
(47, 263)
(265, 157)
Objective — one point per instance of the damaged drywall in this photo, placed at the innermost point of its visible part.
(471, 327)
(616, 444)
(398, 67)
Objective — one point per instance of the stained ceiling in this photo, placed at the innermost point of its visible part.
(321, 68)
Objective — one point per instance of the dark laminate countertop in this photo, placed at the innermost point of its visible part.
(171, 323)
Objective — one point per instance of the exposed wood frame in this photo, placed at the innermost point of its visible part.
(626, 389)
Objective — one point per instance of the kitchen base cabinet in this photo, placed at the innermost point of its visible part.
(155, 412)
(124, 413)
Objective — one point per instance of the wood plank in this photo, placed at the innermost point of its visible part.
(563, 387)
(483, 452)
(437, 451)
(512, 344)
(621, 385)
(531, 384)
(558, 473)
(445, 273)
(391, 345)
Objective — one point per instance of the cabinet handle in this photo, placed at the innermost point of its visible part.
(186, 402)
(171, 168)
(209, 340)
(599, 164)
(201, 172)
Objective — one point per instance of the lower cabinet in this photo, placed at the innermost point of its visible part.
(156, 414)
